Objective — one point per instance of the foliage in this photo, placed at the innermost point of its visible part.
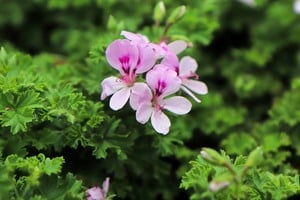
(57, 139)
(239, 178)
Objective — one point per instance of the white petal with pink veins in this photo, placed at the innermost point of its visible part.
(140, 93)
(196, 86)
(119, 99)
(177, 46)
(111, 85)
(178, 105)
(187, 65)
(144, 112)
(122, 50)
(160, 122)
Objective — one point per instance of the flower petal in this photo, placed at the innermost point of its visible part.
(110, 85)
(178, 105)
(196, 86)
(140, 93)
(177, 46)
(147, 59)
(135, 37)
(94, 193)
(120, 49)
(160, 122)
(163, 80)
(119, 99)
(187, 65)
(105, 186)
(144, 112)
(171, 61)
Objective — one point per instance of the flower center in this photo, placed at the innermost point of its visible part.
(125, 64)
(160, 87)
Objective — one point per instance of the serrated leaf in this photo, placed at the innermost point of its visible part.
(53, 166)
(15, 120)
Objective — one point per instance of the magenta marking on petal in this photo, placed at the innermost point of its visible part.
(191, 75)
(125, 63)
(161, 85)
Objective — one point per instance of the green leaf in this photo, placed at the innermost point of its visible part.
(16, 121)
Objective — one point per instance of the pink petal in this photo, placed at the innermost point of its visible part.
(94, 193)
(159, 74)
(105, 186)
(135, 37)
(178, 105)
(110, 85)
(140, 92)
(177, 46)
(159, 51)
(119, 99)
(171, 61)
(147, 59)
(187, 66)
(120, 49)
(196, 86)
(144, 112)
(160, 122)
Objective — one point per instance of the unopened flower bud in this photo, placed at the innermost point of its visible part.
(248, 2)
(212, 156)
(111, 23)
(159, 12)
(176, 14)
(215, 186)
(254, 158)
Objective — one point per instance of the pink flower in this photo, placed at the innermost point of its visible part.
(129, 59)
(186, 70)
(96, 193)
(161, 49)
(150, 102)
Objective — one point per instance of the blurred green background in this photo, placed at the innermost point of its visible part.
(248, 56)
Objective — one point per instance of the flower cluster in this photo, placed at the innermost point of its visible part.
(164, 73)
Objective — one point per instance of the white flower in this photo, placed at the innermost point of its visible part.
(297, 6)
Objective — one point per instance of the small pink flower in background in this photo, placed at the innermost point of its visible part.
(297, 6)
(129, 59)
(97, 193)
(150, 102)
